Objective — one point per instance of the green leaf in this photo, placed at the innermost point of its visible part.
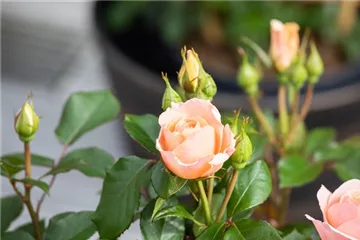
(306, 229)
(253, 187)
(335, 152)
(85, 111)
(120, 196)
(295, 171)
(17, 235)
(171, 228)
(175, 211)
(93, 162)
(74, 226)
(36, 183)
(11, 208)
(158, 204)
(318, 139)
(199, 214)
(214, 232)
(233, 233)
(143, 129)
(29, 228)
(8, 169)
(253, 230)
(349, 168)
(164, 183)
(295, 235)
(14, 162)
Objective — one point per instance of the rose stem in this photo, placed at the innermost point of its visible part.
(204, 202)
(262, 119)
(210, 189)
(283, 115)
(229, 191)
(304, 110)
(27, 198)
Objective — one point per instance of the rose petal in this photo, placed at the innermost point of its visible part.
(213, 169)
(171, 114)
(167, 140)
(351, 228)
(198, 145)
(228, 140)
(323, 196)
(350, 185)
(192, 171)
(325, 231)
(202, 108)
(340, 213)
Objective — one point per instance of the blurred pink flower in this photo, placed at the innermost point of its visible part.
(341, 212)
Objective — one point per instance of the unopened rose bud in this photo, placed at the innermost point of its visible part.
(235, 126)
(299, 75)
(248, 77)
(189, 72)
(314, 65)
(26, 122)
(284, 43)
(209, 88)
(243, 150)
(170, 95)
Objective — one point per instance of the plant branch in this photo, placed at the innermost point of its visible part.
(303, 112)
(283, 114)
(51, 183)
(27, 198)
(210, 189)
(262, 119)
(229, 191)
(294, 110)
(204, 202)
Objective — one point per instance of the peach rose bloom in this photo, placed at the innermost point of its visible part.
(192, 141)
(341, 212)
(284, 43)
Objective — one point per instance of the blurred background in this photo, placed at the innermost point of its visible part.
(54, 49)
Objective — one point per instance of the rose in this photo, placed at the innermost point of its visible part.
(192, 141)
(284, 43)
(341, 212)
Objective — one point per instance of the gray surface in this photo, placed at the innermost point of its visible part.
(55, 57)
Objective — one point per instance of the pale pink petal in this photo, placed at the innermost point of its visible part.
(228, 140)
(351, 228)
(171, 114)
(191, 171)
(340, 213)
(212, 170)
(350, 185)
(323, 196)
(219, 132)
(196, 146)
(325, 231)
(167, 140)
(203, 108)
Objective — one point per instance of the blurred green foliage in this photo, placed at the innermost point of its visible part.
(176, 21)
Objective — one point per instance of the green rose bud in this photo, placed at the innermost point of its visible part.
(248, 77)
(26, 122)
(170, 95)
(243, 150)
(314, 64)
(209, 88)
(299, 75)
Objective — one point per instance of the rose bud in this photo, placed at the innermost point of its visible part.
(341, 212)
(26, 122)
(314, 64)
(193, 142)
(284, 43)
(170, 95)
(188, 75)
(248, 77)
(299, 75)
(243, 149)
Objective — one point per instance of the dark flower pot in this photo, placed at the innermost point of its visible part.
(135, 58)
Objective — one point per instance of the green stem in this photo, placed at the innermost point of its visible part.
(283, 114)
(262, 119)
(204, 201)
(229, 191)
(210, 189)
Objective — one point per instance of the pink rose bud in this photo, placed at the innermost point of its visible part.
(341, 212)
(192, 141)
(284, 43)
